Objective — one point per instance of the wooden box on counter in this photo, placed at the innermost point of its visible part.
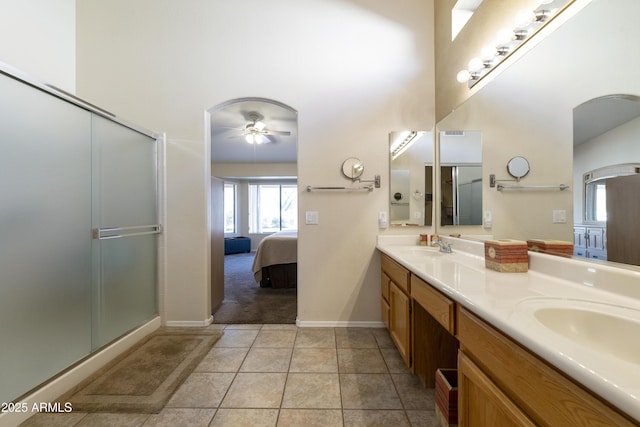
(552, 247)
(506, 256)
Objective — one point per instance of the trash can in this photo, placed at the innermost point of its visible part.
(447, 397)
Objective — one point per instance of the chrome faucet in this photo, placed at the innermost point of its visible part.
(444, 247)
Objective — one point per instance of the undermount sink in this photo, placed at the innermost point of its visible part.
(422, 250)
(604, 328)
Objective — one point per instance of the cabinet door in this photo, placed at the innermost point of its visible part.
(481, 402)
(400, 321)
(385, 312)
(596, 238)
(385, 282)
(579, 240)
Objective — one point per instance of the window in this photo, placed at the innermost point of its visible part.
(596, 200)
(273, 207)
(460, 15)
(230, 207)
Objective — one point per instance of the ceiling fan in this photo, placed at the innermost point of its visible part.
(256, 131)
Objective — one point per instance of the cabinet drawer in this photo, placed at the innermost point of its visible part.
(397, 273)
(437, 305)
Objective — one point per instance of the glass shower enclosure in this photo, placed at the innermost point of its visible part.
(78, 232)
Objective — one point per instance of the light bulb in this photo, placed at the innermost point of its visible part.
(463, 76)
(488, 52)
(504, 36)
(524, 18)
(475, 64)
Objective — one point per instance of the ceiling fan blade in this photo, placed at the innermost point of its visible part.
(278, 132)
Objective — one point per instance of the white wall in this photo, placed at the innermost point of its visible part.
(39, 38)
(354, 70)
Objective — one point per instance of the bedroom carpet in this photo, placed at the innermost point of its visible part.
(144, 378)
(246, 302)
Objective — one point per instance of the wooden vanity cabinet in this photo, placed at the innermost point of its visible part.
(396, 305)
(502, 383)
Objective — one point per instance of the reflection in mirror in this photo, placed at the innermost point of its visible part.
(605, 134)
(595, 189)
(410, 180)
(460, 177)
(531, 108)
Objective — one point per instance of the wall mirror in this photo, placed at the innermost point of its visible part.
(518, 167)
(352, 168)
(545, 131)
(411, 178)
(460, 177)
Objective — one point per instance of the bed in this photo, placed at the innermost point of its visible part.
(275, 264)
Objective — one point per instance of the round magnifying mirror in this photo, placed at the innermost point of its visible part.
(518, 167)
(352, 168)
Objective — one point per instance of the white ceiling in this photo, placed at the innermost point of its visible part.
(600, 115)
(229, 119)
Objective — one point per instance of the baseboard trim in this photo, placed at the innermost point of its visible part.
(339, 324)
(65, 382)
(189, 323)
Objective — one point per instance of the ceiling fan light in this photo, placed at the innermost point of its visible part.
(259, 139)
(249, 138)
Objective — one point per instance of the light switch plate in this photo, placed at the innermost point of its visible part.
(312, 218)
(383, 219)
(487, 219)
(559, 217)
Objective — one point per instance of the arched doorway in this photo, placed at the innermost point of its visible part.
(253, 152)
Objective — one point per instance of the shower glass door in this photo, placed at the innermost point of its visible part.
(45, 236)
(125, 230)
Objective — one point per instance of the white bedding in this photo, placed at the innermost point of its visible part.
(278, 248)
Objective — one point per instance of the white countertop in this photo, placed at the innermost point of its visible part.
(507, 301)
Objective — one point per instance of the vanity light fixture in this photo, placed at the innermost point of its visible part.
(508, 41)
(401, 144)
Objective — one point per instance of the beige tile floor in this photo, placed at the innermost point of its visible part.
(282, 375)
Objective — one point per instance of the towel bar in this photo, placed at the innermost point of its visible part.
(560, 187)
